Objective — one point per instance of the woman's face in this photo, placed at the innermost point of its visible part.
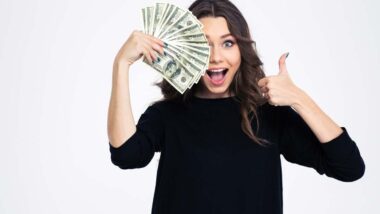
(224, 58)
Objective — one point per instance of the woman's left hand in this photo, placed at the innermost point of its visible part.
(280, 89)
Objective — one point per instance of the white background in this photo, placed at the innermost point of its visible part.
(55, 82)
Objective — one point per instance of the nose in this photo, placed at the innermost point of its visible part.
(215, 55)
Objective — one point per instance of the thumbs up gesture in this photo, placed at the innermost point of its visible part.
(279, 89)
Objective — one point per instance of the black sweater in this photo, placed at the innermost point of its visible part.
(208, 165)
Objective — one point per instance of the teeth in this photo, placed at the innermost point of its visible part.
(217, 70)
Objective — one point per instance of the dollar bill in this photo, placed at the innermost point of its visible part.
(199, 52)
(174, 71)
(194, 58)
(186, 64)
(185, 21)
(158, 12)
(187, 53)
(150, 13)
(199, 58)
(176, 14)
(163, 8)
(144, 19)
(189, 38)
(185, 30)
(165, 19)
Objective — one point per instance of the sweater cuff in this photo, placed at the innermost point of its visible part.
(340, 147)
(125, 147)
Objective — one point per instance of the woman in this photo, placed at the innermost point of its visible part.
(221, 141)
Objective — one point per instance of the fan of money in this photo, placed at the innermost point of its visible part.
(187, 51)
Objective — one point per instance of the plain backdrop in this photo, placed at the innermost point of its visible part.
(55, 84)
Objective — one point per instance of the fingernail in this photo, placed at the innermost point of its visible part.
(287, 54)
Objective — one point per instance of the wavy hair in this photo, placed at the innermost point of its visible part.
(244, 84)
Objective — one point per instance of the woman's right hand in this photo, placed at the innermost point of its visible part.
(137, 45)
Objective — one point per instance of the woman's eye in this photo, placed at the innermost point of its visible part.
(228, 43)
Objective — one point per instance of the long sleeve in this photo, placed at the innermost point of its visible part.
(139, 149)
(339, 158)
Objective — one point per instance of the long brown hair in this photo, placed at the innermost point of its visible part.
(244, 85)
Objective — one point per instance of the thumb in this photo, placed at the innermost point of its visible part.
(282, 64)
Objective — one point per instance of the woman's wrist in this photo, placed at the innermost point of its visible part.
(302, 101)
(120, 70)
(121, 63)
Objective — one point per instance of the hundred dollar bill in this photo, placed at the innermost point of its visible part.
(186, 30)
(197, 57)
(173, 71)
(185, 21)
(176, 14)
(202, 47)
(158, 12)
(187, 53)
(144, 19)
(193, 65)
(150, 13)
(189, 38)
(185, 63)
(163, 9)
(165, 19)
(201, 52)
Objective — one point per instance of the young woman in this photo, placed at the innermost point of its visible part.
(221, 141)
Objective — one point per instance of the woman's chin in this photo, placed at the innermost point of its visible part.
(219, 90)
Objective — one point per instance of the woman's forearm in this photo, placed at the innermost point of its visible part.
(120, 124)
(320, 123)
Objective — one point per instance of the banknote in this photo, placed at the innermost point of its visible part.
(187, 52)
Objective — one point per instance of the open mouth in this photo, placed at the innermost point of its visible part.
(217, 75)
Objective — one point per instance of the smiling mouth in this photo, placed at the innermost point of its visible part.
(216, 74)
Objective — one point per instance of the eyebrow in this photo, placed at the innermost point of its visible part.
(222, 36)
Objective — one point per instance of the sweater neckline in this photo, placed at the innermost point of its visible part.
(219, 99)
